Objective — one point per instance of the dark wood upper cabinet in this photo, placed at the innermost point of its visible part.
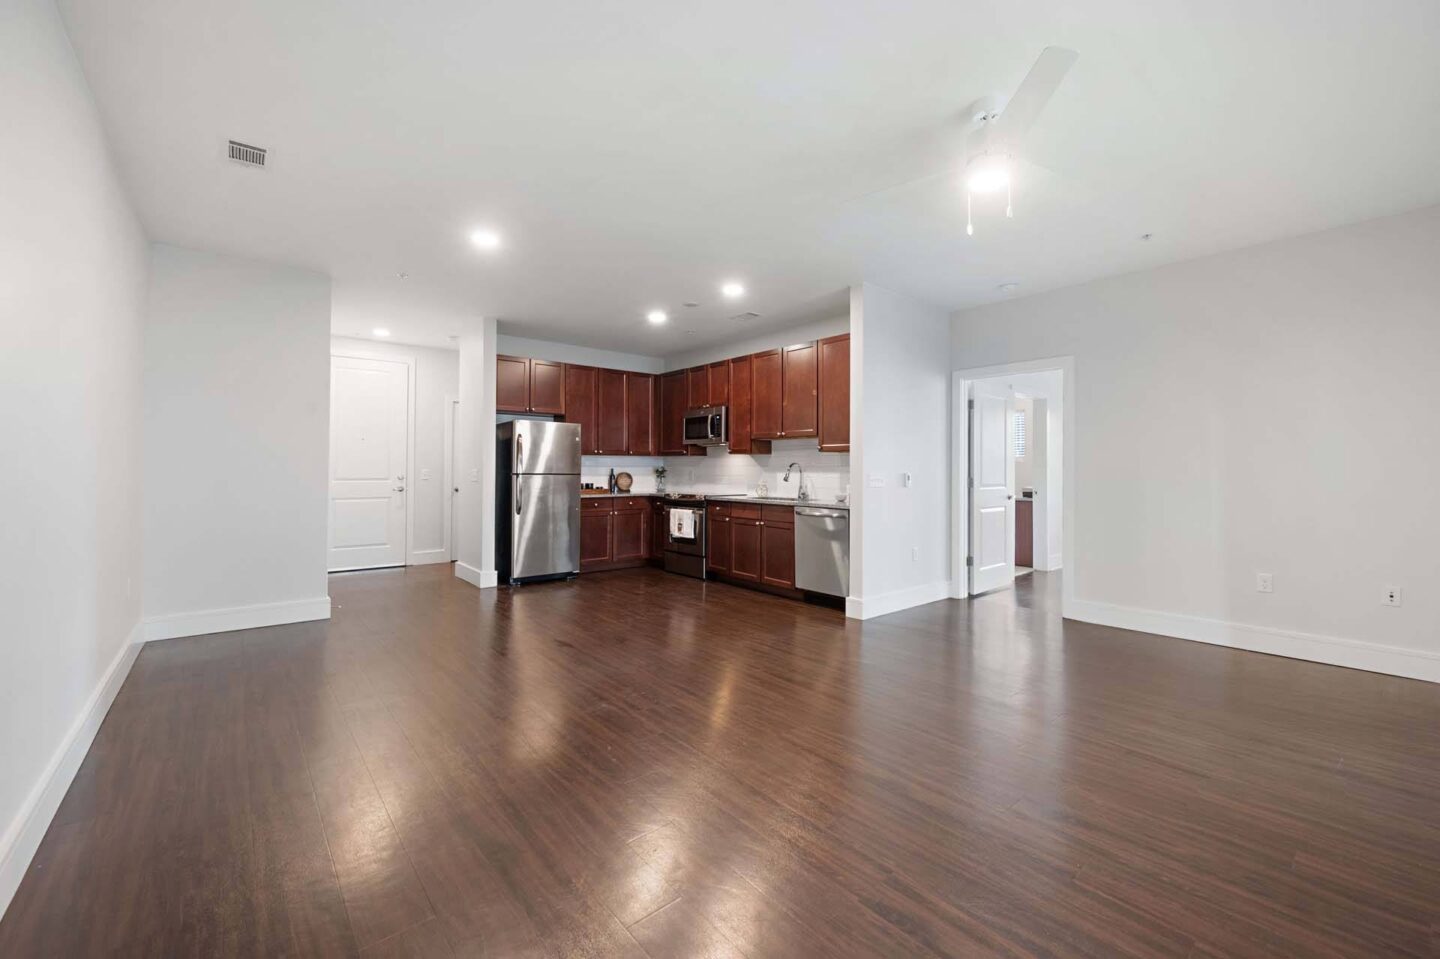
(610, 412)
(834, 399)
(512, 384)
(719, 389)
(673, 400)
(547, 387)
(524, 385)
(640, 414)
(765, 395)
(741, 409)
(698, 394)
(580, 405)
(799, 385)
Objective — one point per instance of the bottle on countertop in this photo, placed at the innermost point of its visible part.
(612, 479)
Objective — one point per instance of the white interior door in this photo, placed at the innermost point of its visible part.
(992, 490)
(369, 424)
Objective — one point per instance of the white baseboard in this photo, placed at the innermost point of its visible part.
(1332, 650)
(425, 557)
(1053, 563)
(22, 837)
(483, 578)
(896, 600)
(237, 617)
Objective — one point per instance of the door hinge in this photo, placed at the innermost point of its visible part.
(969, 561)
(972, 404)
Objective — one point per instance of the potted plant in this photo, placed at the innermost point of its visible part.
(659, 479)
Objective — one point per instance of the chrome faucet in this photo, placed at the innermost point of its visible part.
(802, 494)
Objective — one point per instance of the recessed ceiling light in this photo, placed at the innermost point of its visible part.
(656, 316)
(485, 239)
(732, 290)
(403, 276)
(380, 331)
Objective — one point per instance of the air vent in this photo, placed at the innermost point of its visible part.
(246, 154)
(745, 317)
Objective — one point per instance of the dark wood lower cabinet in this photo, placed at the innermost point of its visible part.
(717, 542)
(745, 549)
(656, 555)
(614, 532)
(777, 556)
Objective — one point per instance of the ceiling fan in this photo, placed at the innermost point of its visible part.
(995, 133)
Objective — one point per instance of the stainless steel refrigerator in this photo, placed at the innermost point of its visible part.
(537, 500)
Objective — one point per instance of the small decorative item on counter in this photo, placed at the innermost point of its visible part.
(623, 482)
(762, 488)
(659, 479)
(611, 485)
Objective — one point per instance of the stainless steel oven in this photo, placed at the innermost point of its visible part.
(706, 427)
(685, 542)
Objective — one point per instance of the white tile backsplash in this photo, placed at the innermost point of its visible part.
(596, 469)
(826, 474)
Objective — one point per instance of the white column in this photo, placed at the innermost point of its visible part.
(475, 455)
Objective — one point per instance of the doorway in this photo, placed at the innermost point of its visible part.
(369, 463)
(1012, 478)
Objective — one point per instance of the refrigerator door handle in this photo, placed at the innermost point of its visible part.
(519, 452)
(515, 487)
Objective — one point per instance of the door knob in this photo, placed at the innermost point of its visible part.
(398, 489)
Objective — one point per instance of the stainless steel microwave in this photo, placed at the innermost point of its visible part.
(706, 427)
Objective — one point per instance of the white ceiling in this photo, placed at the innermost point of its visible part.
(634, 154)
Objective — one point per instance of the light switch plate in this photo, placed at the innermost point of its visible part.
(1392, 596)
(1264, 583)
(875, 481)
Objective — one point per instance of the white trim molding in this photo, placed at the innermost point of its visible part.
(1330, 650)
(896, 600)
(22, 836)
(483, 578)
(232, 618)
(425, 557)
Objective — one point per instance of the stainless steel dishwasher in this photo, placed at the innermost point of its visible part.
(822, 550)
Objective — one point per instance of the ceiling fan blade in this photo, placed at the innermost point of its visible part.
(1035, 91)
(896, 188)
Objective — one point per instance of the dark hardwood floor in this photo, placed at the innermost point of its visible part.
(636, 764)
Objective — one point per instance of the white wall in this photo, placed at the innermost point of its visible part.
(900, 393)
(237, 394)
(72, 293)
(437, 378)
(1237, 414)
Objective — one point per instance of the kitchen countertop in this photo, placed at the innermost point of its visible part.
(779, 501)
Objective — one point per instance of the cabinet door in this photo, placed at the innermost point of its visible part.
(594, 536)
(547, 387)
(698, 394)
(640, 414)
(580, 404)
(719, 391)
(745, 549)
(673, 388)
(765, 395)
(629, 535)
(777, 556)
(800, 387)
(512, 384)
(610, 411)
(717, 544)
(834, 400)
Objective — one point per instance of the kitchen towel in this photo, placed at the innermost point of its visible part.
(682, 523)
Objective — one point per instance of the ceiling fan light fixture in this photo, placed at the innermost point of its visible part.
(987, 173)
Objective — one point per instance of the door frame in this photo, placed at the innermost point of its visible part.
(409, 363)
(961, 381)
(452, 412)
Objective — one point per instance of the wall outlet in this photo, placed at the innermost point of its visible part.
(1264, 583)
(914, 554)
(1392, 596)
(475, 476)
